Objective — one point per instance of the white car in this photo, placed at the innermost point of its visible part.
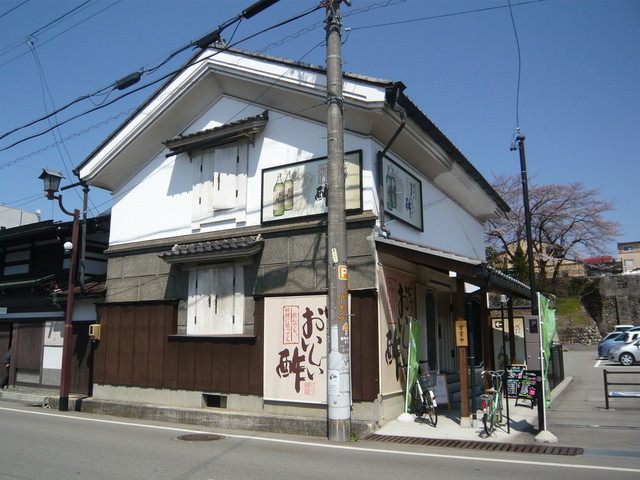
(633, 271)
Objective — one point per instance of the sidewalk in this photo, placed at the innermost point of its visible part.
(522, 427)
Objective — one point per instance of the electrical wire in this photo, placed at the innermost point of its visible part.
(14, 8)
(128, 112)
(69, 137)
(444, 15)
(60, 145)
(51, 24)
(238, 113)
(143, 72)
(515, 32)
(164, 77)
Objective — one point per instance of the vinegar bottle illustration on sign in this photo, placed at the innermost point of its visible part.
(288, 192)
(391, 189)
(278, 197)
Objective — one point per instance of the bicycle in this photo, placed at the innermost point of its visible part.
(423, 396)
(492, 401)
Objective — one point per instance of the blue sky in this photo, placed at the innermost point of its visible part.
(578, 107)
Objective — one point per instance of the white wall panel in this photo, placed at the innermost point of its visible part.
(52, 358)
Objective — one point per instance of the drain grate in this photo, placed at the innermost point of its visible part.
(200, 437)
(475, 445)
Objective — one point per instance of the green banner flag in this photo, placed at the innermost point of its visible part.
(548, 319)
(413, 364)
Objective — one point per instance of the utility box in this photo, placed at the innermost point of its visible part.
(532, 340)
(94, 331)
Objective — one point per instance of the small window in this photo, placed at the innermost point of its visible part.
(627, 248)
(16, 262)
(628, 262)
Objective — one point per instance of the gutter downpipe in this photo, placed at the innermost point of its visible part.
(381, 155)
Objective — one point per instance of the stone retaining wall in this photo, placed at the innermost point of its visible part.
(613, 300)
(579, 335)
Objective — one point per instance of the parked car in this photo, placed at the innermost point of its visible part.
(633, 271)
(610, 340)
(632, 334)
(627, 353)
(622, 328)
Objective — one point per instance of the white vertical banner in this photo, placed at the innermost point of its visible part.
(295, 349)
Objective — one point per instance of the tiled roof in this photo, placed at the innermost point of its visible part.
(214, 249)
(245, 126)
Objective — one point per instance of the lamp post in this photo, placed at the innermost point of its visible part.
(51, 186)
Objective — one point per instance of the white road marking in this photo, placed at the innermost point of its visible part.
(331, 446)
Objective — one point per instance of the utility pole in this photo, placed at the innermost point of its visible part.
(544, 435)
(339, 361)
(527, 223)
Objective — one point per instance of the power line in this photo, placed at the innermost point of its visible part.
(174, 72)
(134, 77)
(69, 137)
(12, 9)
(44, 28)
(95, 207)
(137, 75)
(515, 31)
(444, 15)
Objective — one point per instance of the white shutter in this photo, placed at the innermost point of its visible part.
(203, 187)
(238, 299)
(216, 301)
(201, 300)
(225, 178)
(223, 308)
(242, 170)
(220, 185)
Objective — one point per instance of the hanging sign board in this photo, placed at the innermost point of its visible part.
(461, 333)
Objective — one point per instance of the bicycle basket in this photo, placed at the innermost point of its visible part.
(428, 380)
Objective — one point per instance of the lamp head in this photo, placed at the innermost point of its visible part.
(51, 182)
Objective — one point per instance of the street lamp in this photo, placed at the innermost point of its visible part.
(51, 185)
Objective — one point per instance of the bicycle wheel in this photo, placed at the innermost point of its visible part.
(417, 402)
(431, 410)
(489, 421)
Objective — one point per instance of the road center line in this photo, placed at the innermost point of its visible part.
(330, 446)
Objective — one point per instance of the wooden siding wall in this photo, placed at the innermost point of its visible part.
(365, 383)
(138, 347)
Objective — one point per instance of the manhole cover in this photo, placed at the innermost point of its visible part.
(200, 437)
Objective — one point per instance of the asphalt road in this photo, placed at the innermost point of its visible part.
(578, 416)
(37, 443)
